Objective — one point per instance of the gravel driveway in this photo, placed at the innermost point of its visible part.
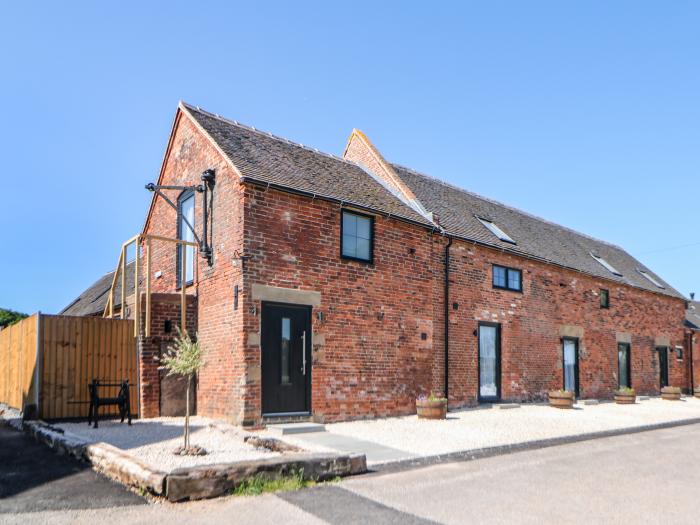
(153, 440)
(486, 427)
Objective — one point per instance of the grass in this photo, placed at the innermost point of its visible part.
(261, 484)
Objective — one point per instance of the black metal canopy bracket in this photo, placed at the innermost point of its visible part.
(207, 191)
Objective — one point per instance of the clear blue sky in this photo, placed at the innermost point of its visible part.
(585, 113)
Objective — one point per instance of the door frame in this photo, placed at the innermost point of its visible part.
(629, 364)
(309, 346)
(577, 385)
(665, 350)
(480, 398)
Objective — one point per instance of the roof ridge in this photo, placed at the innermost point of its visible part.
(265, 133)
(499, 203)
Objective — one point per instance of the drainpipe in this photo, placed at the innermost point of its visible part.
(447, 318)
(690, 356)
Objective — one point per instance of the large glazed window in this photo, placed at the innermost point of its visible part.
(357, 233)
(624, 366)
(185, 215)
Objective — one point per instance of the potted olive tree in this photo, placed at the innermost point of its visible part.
(561, 398)
(184, 358)
(431, 407)
(625, 396)
(671, 393)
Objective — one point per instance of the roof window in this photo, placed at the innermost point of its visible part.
(496, 230)
(650, 278)
(606, 264)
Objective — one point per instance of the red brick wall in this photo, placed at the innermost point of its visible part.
(221, 383)
(555, 302)
(164, 307)
(374, 361)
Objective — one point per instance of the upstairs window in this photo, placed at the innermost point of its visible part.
(507, 278)
(185, 223)
(606, 265)
(604, 298)
(651, 279)
(493, 228)
(357, 236)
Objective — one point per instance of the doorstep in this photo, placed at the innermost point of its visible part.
(284, 429)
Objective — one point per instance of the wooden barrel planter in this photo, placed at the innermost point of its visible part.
(696, 392)
(671, 393)
(561, 399)
(431, 408)
(625, 397)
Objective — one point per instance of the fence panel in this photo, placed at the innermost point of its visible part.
(76, 350)
(18, 351)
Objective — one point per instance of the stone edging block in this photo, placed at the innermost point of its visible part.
(210, 481)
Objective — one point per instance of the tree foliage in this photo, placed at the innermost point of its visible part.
(8, 317)
(184, 358)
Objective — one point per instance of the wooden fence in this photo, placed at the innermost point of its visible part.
(51, 359)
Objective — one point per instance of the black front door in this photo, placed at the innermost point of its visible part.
(663, 365)
(489, 362)
(286, 358)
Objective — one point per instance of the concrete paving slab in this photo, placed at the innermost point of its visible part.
(374, 452)
(295, 428)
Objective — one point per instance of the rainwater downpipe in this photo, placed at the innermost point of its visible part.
(447, 318)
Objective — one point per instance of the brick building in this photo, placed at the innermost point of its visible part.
(339, 287)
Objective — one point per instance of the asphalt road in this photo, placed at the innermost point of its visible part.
(34, 479)
(651, 477)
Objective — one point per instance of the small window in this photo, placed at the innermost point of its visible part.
(507, 278)
(604, 298)
(679, 353)
(606, 264)
(357, 232)
(493, 228)
(651, 279)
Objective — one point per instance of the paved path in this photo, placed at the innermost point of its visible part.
(33, 478)
(650, 477)
(375, 452)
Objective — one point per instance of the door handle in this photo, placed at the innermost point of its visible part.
(303, 352)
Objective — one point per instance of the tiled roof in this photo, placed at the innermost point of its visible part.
(266, 158)
(93, 300)
(458, 211)
(692, 315)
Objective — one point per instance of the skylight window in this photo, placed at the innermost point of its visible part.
(606, 264)
(496, 230)
(651, 279)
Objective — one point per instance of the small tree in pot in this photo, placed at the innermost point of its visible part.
(184, 358)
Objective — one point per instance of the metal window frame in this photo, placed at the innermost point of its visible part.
(628, 347)
(369, 261)
(506, 287)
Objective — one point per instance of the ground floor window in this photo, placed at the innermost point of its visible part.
(570, 351)
(624, 367)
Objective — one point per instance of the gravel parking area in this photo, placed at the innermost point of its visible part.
(486, 427)
(153, 440)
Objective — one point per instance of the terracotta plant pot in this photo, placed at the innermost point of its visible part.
(625, 398)
(561, 399)
(671, 393)
(436, 409)
(696, 392)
